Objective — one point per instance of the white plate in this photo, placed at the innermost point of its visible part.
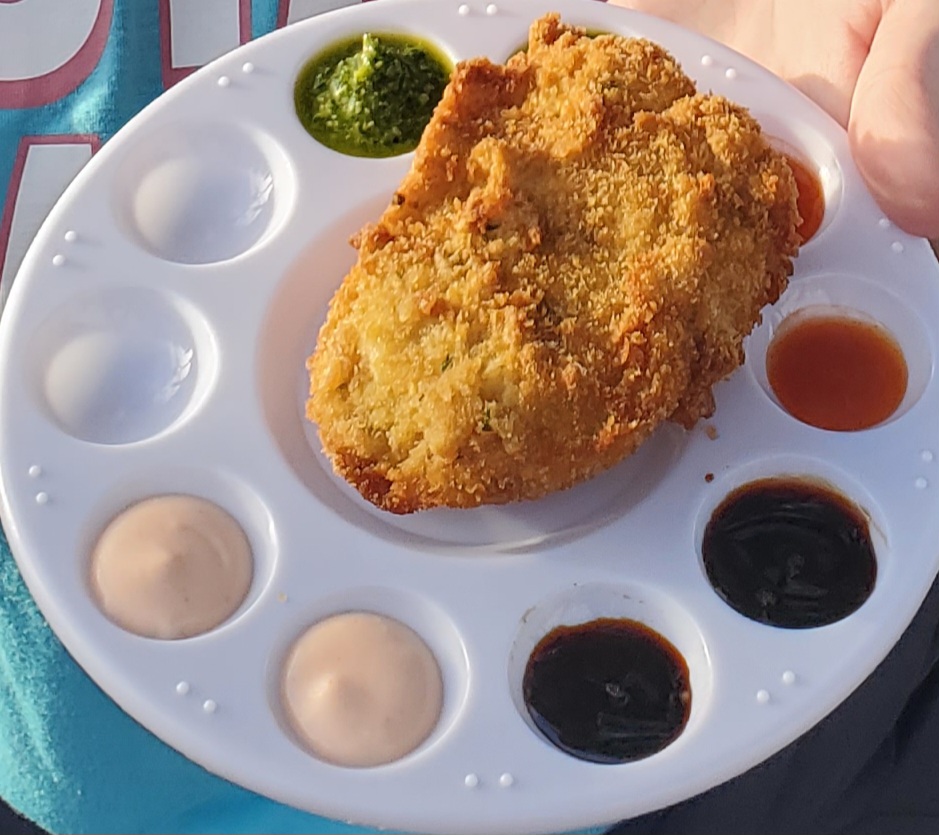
(128, 373)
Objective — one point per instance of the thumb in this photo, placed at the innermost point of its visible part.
(894, 121)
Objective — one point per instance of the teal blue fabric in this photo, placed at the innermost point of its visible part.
(73, 762)
(70, 759)
(125, 80)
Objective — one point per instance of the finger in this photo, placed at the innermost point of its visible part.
(894, 120)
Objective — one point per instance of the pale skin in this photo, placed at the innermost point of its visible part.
(872, 64)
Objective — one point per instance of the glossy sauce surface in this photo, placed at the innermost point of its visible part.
(811, 199)
(607, 691)
(837, 373)
(790, 553)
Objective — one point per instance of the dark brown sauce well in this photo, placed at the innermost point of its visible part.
(790, 553)
(608, 691)
(837, 373)
(811, 198)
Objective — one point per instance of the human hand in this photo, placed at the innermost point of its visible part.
(872, 64)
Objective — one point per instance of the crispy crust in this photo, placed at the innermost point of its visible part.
(575, 256)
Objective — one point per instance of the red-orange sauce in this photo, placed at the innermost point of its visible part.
(837, 373)
(811, 199)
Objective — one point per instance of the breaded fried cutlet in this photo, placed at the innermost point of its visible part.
(576, 255)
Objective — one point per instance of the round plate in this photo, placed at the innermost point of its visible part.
(155, 342)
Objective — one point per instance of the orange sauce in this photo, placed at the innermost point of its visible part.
(811, 199)
(837, 373)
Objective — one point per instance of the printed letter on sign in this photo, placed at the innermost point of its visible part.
(43, 167)
(290, 11)
(194, 32)
(41, 62)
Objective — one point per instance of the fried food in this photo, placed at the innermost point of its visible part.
(576, 255)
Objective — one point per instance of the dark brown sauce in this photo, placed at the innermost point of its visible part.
(790, 553)
(837, 373)
(811, 198)
(608, 691)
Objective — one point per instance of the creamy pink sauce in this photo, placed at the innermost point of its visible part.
(171, 567)
(361, 689)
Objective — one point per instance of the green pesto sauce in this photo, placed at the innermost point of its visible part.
(371, 96)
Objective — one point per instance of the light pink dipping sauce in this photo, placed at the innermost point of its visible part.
(171, 567)
(361, 689)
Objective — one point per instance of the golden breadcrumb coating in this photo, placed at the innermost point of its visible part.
(575, 256)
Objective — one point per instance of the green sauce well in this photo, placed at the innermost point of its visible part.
(371, 96)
